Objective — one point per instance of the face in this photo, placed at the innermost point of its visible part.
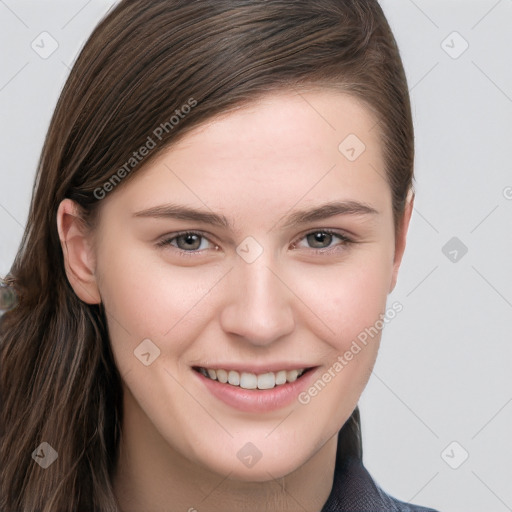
(288, 258)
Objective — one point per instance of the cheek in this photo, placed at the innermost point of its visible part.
(347, 298)
(351, 304)
(147, 297)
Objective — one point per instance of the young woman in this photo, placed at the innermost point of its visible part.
(219, 214)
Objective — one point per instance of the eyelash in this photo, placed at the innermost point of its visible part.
(187, 254)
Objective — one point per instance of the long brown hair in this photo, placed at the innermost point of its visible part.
(141, 66)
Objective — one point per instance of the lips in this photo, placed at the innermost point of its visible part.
(250, 380)
(266, 397)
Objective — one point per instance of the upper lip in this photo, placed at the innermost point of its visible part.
(258, 369)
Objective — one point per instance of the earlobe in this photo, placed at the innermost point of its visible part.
(79, 260)
(401, 238)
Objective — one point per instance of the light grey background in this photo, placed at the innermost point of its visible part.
(443, 373)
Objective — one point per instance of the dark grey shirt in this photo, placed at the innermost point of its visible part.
(354, 490)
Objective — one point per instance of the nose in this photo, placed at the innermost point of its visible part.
(259, 306)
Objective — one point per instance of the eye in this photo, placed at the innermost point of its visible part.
(188, 241)
(323, 239)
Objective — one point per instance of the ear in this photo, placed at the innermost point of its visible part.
(401, 238)
(79, 260)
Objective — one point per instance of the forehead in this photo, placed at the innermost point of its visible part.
(285, 148)
(284, 124)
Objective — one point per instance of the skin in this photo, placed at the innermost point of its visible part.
(255, 165)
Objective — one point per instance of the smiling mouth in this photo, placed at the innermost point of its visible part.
(247, 380)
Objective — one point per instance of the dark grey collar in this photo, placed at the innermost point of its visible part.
(355, 490)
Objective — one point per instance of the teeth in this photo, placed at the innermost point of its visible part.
(280, 377)
(222, 376)
(248, 380)
(266, 381)
(234, 378)
(291, 376)
(252, 381)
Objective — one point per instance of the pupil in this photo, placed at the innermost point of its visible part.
(191, 241)
(319, 240)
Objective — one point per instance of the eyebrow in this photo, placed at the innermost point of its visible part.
(182, 212)
(325, 211)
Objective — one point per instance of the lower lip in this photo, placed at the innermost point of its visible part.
(257, 400)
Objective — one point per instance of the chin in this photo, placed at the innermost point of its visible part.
(261, 473)
(265, 469)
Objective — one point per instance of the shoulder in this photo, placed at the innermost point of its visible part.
(355, 490)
